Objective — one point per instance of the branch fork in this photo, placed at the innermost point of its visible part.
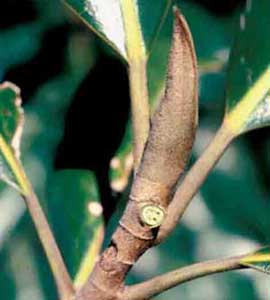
(153, 209)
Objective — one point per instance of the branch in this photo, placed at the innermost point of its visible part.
(159, 284)
(167, 150)
(194, 179)
(59, 270)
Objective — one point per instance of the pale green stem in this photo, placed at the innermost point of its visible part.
(55, 259)
(139, 107)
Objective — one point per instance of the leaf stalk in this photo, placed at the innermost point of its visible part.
(139, 107)
(55, 259)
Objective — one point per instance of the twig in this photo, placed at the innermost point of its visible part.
(159, 284)
(194, 179)
(168, 147)
(59, 270)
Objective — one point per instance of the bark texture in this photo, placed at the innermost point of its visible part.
(166, 153)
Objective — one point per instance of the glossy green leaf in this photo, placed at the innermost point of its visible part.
(127, 25)
(11, 122)
(260, 260)
(152, 14)
(248, 104)
(76, 215)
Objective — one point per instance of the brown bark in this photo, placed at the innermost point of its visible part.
(165, 156)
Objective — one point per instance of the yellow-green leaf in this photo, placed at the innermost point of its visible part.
(260, 260)
(248, 85)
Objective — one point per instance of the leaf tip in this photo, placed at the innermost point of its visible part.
(15, 141)
(176, 10)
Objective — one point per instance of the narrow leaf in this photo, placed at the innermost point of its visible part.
(260, 260)
(248, 105)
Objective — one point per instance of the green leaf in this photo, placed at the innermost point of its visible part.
(248, 103)
(152, 13)
(11, 123)
(76, 215)
(129, 26)
(260, 260)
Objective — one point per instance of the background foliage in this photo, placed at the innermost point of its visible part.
(74, 122)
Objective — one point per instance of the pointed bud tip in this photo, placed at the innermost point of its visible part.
(176, 10)
(180, 22)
